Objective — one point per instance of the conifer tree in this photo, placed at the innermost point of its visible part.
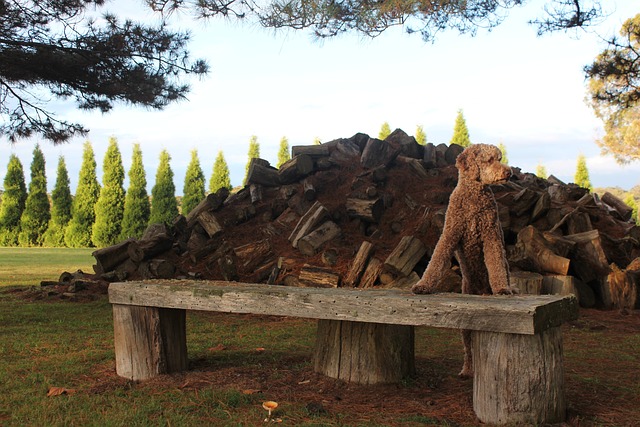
(37, 212)
(164, 206)
(283, 152)
(421, 136)
(83, 215)
(193, 190)
(61, 202)
(13, 199)
(541, 171)
(136, 203)
(385, 131)
(220, 177)
(581, 177)
(254, 153)
(460, 131)
(503, 150)
(110, 206)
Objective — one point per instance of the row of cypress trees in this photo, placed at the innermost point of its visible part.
(98, 215)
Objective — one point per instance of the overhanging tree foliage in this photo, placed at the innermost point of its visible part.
(56, 48)
(13, 199)
(614, 92)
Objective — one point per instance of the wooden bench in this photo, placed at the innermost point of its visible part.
(366, 336)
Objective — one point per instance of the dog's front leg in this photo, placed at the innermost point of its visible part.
(497, 266)
(439, 263)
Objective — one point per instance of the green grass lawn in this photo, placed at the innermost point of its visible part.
(29, 266)
(238, 361)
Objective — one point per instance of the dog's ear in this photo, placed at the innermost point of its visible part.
(462, 161)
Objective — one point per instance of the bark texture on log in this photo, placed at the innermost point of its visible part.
(110, 257)
(368, 210)
(358, 264)
(314, 216)
(405, 256)
(317, 276)
(527, 282)
(311, 243)
(295, 169)
(512, 385)
(149, 341)
(364, 353)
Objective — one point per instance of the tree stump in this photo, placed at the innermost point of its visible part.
(511, 385)
(364, 353)
(149, 341)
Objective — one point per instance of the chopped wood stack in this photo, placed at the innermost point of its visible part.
(362, 212)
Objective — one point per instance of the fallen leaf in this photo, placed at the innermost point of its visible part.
(219, 347)
(57, 391)
(260, 349)
(251, 391)
(304, 382)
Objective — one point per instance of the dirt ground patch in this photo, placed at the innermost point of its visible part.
(601, 369)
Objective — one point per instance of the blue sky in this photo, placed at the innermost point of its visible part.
(513, 86)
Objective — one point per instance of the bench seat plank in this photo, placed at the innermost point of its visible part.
(505, 314)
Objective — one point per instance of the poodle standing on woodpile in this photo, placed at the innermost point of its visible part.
(472, 233)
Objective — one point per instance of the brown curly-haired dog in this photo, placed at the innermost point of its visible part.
(472, 233)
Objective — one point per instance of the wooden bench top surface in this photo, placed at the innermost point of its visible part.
(528, 314)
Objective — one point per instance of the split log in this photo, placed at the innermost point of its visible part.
(541, 207)
(405, 256)
(566, 285)
(389, 351)
(358, 264)
(452, 153)
(110, 257)
(371, 273)
(209, 223)
(319, 277)
(329, 257)
(66, 277)
(252, 255)
(295, 169)
(309, 244)
(415, 165)
(314, 151)
(404, 282)
(524, 201)
(526, 282)
(156, 269)
(275, 272)
(148, 248)
(309, 190)
(314, 216)
(262, 174)
(623, 288)
(377, 153)
(255, 191)
(576, 221)
(348, 147)
(623, 210)
(429, 157)
(507, 367)
(408, 145)
(368, 210)
(539, 251)
(228, 268)
(589, 259)
(212, 202)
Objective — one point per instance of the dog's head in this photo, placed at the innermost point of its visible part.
(481, 162)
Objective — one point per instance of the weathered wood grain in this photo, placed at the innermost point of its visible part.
(529, 314)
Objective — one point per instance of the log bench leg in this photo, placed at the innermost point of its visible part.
(149, 341)
(518, 379)
(364, 353)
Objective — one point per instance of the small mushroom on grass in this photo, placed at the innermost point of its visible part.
(269, 406)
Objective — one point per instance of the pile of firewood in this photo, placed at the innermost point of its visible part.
(362, 212)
